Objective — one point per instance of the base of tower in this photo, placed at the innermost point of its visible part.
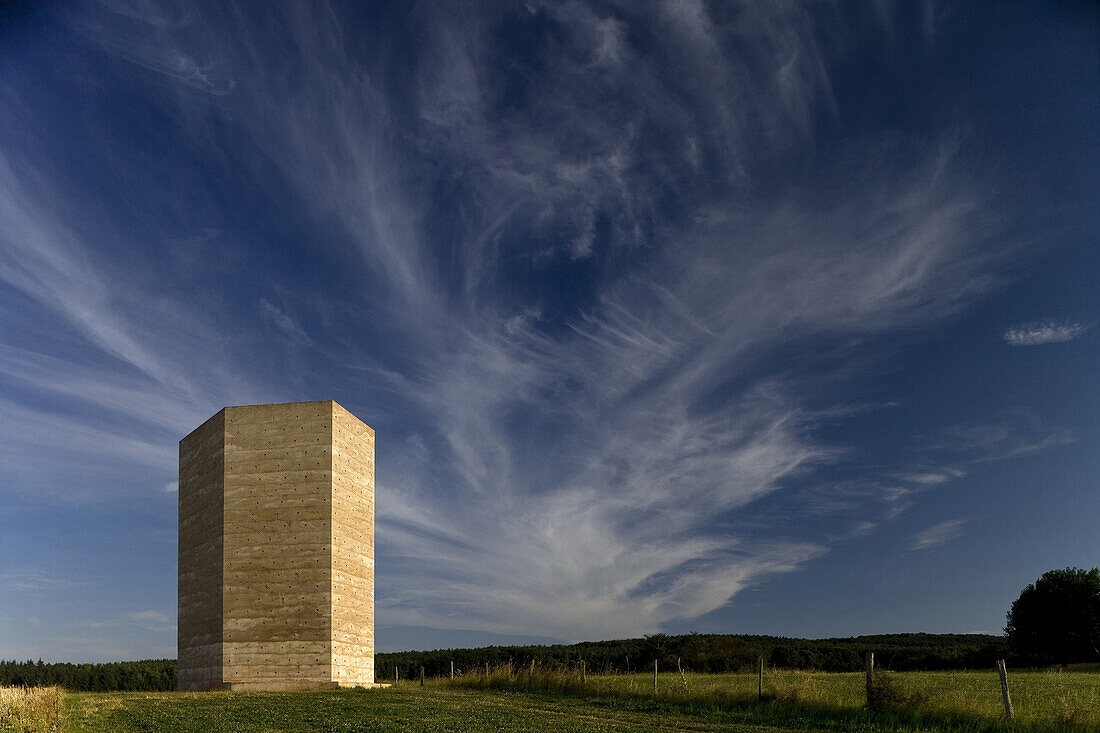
(293, 685)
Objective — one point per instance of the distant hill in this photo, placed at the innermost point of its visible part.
(717, 653)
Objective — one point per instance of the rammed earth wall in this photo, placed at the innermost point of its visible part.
(276, 573)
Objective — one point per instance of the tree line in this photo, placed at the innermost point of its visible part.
(693, 652)
(150, 675)
(713, 653)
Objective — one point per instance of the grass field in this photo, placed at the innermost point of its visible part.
(796, 701)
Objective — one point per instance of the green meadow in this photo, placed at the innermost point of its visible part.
(535, 700)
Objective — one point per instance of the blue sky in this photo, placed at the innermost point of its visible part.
(670, 316)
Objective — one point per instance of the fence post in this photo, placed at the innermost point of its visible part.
(452, 670)
(654, 676)
(870, 662)
(395, 673)
(760, 680)
(584, 676)
(421, 675)
(1003, 672)
(486, 669)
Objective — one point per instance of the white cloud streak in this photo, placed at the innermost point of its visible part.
(938, 534)
(150, 618)
(1043, 332)
(1014, 433)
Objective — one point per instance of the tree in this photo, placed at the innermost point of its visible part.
(1057, 618)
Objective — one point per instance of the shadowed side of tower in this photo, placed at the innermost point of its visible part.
(199, 627)
(276, 570)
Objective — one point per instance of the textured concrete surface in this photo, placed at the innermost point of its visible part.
(352, 549)
(199, 631)
(276, 570)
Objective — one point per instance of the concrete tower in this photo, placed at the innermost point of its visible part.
(276, 549)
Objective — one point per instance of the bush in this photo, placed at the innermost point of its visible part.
(888, 695)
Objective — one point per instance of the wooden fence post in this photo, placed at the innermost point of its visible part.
(486, 669)
(1003, 672)
(421, 675)
(452, 670)
(395, 673)
(870, 662)
(654, 676)
(760, 680)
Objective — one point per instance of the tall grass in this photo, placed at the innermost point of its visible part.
(962, 701)
(30, 710)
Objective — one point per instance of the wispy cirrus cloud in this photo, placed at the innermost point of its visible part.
(1013, 433)
(557, 279)
(35, 581)
(938, 534)
(1036, 333)
(283, 321)
(151, 618)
